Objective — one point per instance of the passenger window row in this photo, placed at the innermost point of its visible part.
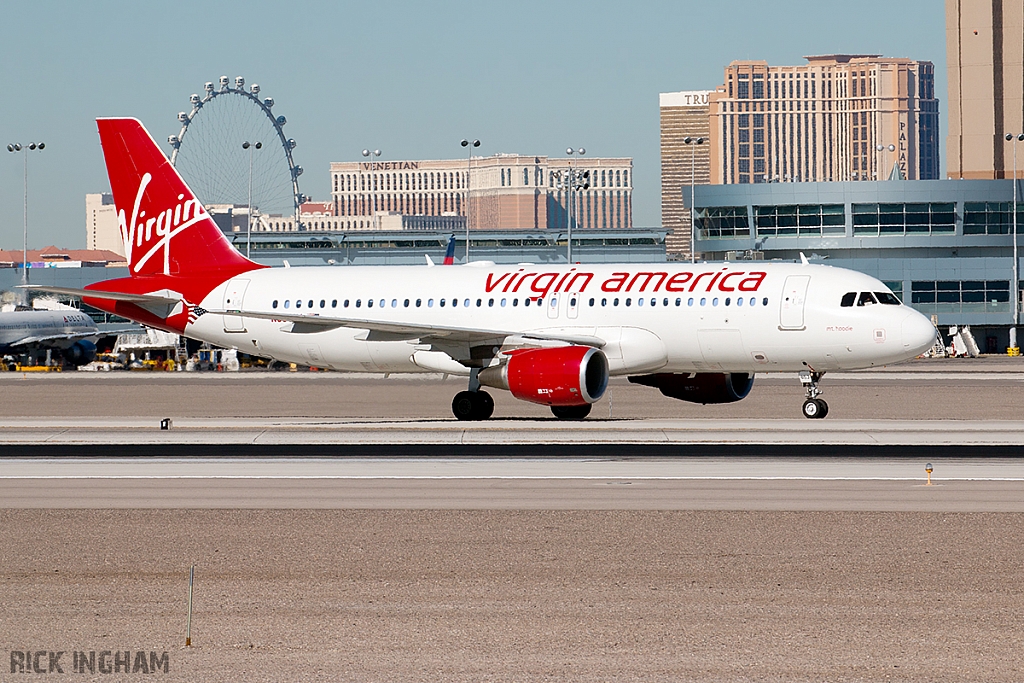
(868, 299)
(467, 303)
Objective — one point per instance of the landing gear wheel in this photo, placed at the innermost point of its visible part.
(484, 405)
(463, 405)
(472, 405)
(571, 412)
(815, 409)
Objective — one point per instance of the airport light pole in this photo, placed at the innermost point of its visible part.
(248, 215)
(575, 181)
(25, 149)
(693, 210)
(373, 185)
(1010, 137)
(469, 169)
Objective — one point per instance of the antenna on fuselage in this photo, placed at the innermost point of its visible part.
(803, 259)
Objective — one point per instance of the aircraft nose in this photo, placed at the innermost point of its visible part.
(918, 333)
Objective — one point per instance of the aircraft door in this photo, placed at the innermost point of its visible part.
(794, 295)
(234, 295)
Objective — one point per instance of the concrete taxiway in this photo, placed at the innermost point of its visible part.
(806, 484)
(313, 431)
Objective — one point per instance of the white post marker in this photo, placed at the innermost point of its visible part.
(188, 623)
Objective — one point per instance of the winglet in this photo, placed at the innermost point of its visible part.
(430, 261)
(803, 259)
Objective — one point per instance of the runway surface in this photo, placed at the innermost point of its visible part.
(875, 484)
(989, 389)
(271, 432)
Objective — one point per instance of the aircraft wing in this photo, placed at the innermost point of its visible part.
(71, 336)
(99, 294)
(383, 331)
(43, 339)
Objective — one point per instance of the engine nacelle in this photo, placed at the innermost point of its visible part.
(80, 353)
(561, 376)
(705, 387)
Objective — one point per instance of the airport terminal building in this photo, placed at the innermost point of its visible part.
(943, 246)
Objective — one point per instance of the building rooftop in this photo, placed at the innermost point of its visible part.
(842, 59)
(52, 254)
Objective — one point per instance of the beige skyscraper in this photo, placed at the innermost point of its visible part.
(101, 227)
(825, 120)
(683, 115)
(985, 57)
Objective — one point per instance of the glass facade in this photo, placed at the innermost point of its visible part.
(991, 218)
(802, 219)
(961, 296)
(723, 221)
(904, 219)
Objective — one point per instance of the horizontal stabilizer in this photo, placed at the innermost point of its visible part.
(99, 294)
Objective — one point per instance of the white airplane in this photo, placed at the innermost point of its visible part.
(551, 335)
(71, 333)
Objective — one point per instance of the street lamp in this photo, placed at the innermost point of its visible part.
(693, 210)
(1016, 279)
(469, 169)
(575, 180)
(882, 148)
(248, 215)
(25, 149)
(373, 185)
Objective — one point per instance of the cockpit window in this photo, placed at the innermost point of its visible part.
(866, 299)
(848, 299)
(887, 298)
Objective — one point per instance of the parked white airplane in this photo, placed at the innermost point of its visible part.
(71, 333)
(551, 335)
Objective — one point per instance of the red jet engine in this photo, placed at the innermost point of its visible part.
(561, 376)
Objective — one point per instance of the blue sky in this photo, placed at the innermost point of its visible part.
(410, 78)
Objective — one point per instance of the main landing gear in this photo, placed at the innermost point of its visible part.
(473, 404)
(814, 408)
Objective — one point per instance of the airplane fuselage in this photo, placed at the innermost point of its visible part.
(740, 317)
(551, 335)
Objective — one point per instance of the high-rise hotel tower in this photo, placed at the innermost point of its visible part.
(836, 118)
(985, 57)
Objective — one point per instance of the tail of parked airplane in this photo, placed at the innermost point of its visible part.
(449, 256)
(164, 227)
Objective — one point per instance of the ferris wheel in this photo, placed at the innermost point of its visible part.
(209, 152)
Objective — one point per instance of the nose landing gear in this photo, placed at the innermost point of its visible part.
(814, 408)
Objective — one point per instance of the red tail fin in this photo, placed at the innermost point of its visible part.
(164, 227)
